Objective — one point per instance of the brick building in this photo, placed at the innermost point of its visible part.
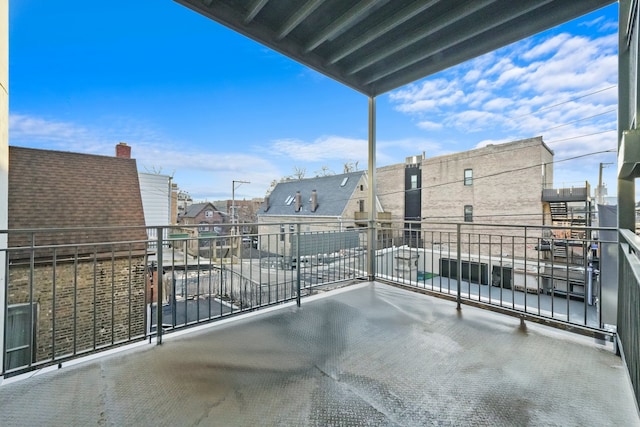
(480, 185)
(87, 286)
(203, 214)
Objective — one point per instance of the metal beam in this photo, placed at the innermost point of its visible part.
(467, 34)
(434, 26)
(341, 24)
(385, 26)
(295, 20)
(254, 9)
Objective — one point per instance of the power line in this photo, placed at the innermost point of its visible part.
(578, 120)
(581, 136)
(459, 181)
(565, 102)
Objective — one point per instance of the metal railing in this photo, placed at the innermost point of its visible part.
(65, 300)
(73, 292)
(628, 328)
(528, 271)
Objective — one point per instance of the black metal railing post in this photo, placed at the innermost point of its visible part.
(298, 264)
(160, 285)
(459, 264)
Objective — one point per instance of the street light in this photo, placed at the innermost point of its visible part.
(233, 204)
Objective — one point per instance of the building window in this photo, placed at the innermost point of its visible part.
(468, 213)
(208, 214)
(282, 230)
(414, 181)
(20, 335)
(361, 205)
(203, 226)
(468, 177)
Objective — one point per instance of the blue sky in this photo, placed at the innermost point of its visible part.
(208, 106)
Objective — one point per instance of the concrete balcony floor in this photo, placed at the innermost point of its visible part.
(368, 354)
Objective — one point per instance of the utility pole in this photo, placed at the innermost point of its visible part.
(233, 204)
(600, 197)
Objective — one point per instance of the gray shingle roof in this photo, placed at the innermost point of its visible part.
(333, 194)
(194, 209)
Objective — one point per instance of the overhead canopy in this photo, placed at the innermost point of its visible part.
(375, 46)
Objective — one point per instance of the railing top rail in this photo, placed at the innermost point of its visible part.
(74, 245)
(502, 225)
(632, 239)
(92, 228)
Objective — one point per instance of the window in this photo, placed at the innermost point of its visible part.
(361, 205)
(468, 213)
(282, 229)
(20, 335)
(468, 177)
(203, 226)
(208, 214)
(414, 181)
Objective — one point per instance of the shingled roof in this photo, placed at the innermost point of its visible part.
(56, 189)
(333, 193)
(194, 209)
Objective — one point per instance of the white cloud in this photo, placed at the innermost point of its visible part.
(546, 48)
(202, 174)
(25, 127)
(324, 148)
(428, 125)
(562, 87)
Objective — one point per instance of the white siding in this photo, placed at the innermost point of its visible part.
(155, 191)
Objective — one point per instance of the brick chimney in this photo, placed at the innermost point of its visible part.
(298, 201)
(314, 201)
(123, 150)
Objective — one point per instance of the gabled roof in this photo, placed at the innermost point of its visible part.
(375, 46)
(57, 189)
(333, 193)
(194, 209)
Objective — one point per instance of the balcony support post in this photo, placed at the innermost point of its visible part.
(371, 232)
(298, 264)
(4, 169)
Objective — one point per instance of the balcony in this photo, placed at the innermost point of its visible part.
(470, 327)
(570, 194)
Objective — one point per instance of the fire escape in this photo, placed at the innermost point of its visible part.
(567, 248)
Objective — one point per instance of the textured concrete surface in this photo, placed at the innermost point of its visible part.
(364, 355)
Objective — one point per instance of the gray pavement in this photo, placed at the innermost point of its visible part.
(368, 354)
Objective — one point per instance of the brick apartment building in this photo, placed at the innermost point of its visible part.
(497, 184)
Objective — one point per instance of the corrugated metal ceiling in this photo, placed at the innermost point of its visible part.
(375, 46)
